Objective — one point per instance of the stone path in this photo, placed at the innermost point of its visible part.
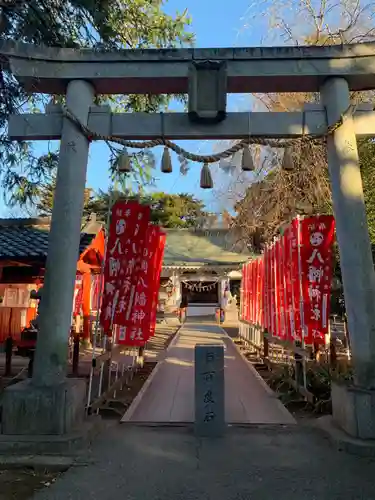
(169, 397)
(283, 463)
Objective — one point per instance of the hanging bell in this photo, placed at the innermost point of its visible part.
(247, 163)
(123, 162)
(166, 162)
(288, 162)
(206, 177)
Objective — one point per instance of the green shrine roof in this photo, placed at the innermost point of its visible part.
(202, 248)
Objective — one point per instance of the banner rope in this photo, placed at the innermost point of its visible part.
(262, 141)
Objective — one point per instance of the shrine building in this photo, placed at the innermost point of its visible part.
(200, 267)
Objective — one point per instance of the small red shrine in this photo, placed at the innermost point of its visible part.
(23, 253)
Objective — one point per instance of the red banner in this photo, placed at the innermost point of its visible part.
(140, 324)
(156, 279)
(272, 290)
(78, 295)
(261, 292)
(249, 285)
(267, 309)
(287, 290)
(258, 298)
(289, 311)
(252, 290)
(248, 302)
(278, 291)
(135, 322)
(295, 278)
(129, 222)
(242, 292)
(317, 235)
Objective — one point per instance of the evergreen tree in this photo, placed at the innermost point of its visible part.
(96, 24)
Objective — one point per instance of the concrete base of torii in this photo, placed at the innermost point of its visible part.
(353, 410)
(43, 410)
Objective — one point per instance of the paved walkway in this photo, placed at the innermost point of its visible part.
(287, 463)
(169, 397)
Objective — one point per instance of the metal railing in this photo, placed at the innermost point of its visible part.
(274, 352)
(110, 373)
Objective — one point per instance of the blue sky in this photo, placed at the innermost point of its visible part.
(215, 24)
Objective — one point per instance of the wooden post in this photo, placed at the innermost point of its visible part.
(30, 367)
(265, 344)
(75, 360)
(347, 336)
(8, 355)
(298, 359)
(332, 353)
(316, 352)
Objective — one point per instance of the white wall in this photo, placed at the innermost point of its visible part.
(201, 310)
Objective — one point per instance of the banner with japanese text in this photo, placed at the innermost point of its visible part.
(242, 292)
(135, 323)
(156, 280)
(267, 309)
(247, 292)
(272, 291)
(295, 278)
(317, 234)
(78, 295)
(252, 290)
(287, 289)
(260, 312)
(127, 231)
(276, 271)
(264, 321)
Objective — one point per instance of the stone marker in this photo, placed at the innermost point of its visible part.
(209, 390)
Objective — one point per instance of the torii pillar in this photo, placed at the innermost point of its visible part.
(50, 403)
(353, 407)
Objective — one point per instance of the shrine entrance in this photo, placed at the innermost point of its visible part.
(201, 294)
(207, 76)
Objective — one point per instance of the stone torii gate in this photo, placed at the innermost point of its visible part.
(206, 75)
